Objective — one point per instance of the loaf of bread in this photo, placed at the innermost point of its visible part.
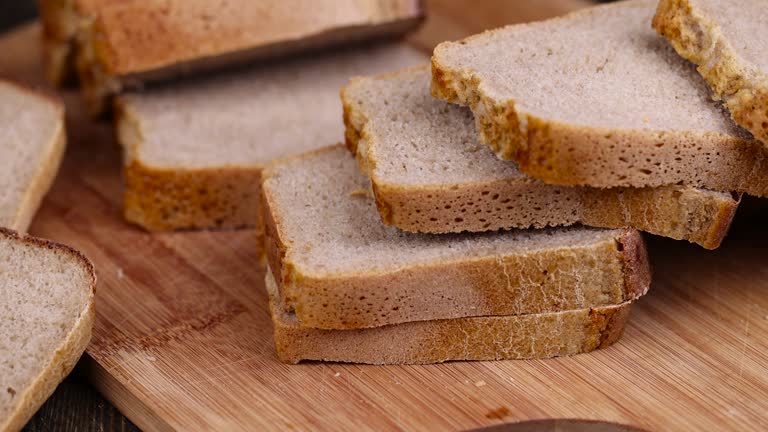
(123, 44)
(46, 316)
(430, 173)
(597, 98)
(727, 40)
(338, 267)
(514, 337)
(194, 151)
(32, 142)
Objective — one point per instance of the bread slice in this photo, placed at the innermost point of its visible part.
(430, 173)
(32, 142)
(597, 98)
(123, 44)
(46, 316)
(727, 40)
(514, 337)
(339, 267)
(194, 151)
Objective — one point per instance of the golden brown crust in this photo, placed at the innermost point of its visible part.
(67, 353)
(161, 199)
(699, 39)
(678, 212)
(522, 337)
(473, 286)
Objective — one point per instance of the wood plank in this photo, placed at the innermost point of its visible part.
(183, 337)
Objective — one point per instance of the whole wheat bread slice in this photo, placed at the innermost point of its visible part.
(46, 316)
(32, 142)
(597, 98)
(515, 337)
(727, 39)
(124, 44)
(194, 151)
(430, 173)
(339, 267)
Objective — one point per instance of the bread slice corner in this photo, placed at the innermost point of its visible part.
(727, 40)
(46, 319)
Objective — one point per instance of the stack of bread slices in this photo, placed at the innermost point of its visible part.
(488, 206)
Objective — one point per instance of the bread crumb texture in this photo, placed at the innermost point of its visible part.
(607, 104)
(339, 267)
(431, 173)
(46, 314)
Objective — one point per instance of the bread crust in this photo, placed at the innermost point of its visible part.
(678, 212)
(372, 299)
(67, 353)
(555, 152)
(534, 336)
(698, 38)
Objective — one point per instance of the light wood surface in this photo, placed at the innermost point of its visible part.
(183, 337)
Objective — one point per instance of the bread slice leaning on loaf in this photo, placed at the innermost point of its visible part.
(597, 98)
(727, 39)
(194, 151)
(430, 173)
(122, 45)
(515, 337)
(32, 142)
(46, 317)
(338, 267)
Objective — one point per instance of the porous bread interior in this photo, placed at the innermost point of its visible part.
(743, 24)
(605, 69)
(44, 293)
(420, 140)
(332, 225)
(250, 117)
(29, 125)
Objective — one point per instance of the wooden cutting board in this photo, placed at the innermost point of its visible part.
(182, 339)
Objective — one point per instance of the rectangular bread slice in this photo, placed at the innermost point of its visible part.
(339, 267)
(515, 337)
(430, 173)
(727, 39)
(194, 151)
(32, 142)
(597, 98)
(46, 317)
(126, 43)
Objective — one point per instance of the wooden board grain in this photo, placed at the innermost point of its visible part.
(183, 338)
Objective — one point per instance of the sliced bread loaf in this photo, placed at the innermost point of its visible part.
(32, 141)
(122, 44)
(194, 151)
(46, 316)
(339, 267)
(597, 98)
(727, 40)
(430, 173)
(514, 337)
